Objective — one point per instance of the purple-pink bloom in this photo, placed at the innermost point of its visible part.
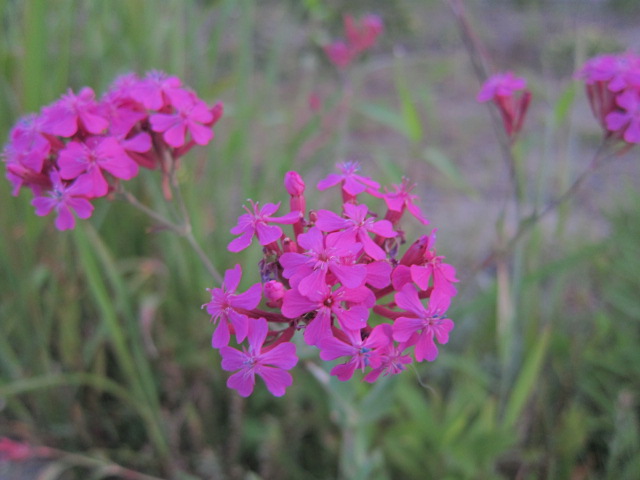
(618, 71)
(350, 307)
(399, 200)
(363, 353)
(308, 271)
(501, 85)
(191, 117)
(393, 360)
(356, 227)
(352, 183)
(72, 113)
(257, 223)
(628, 118)
(339, 54)
(269, 364)
(158, 90)
(362, 35)
(27, 144)
(65, 199)
(226, 307)
(87, 160)
(429, 322)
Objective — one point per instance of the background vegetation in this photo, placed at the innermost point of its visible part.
(105, 353)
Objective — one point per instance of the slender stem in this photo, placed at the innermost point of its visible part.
(188, 229)
(527, 223)
(185, 230)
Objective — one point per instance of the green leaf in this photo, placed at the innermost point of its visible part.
(564, 103)
(527, 379)
(447, 168)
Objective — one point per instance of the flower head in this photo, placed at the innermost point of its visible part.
(269, 364)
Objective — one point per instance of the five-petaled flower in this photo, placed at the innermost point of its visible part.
(269, 364)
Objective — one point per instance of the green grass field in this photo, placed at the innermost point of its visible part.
(105, 353)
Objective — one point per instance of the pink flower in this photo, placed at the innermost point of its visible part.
(65, 200)
(356, 227)
(270, 365)
(350, 307)
(501, 85)
(364, 35)
(399, 200)
(158, 90)
(294, 184)
(361, 36)
(72, 113)
(14, 451)
(28, 146)
(256, 223)
(87, 161)
(393, 360)
(226, 307)
(428, 321)
(501, 88)
(339, 54)
(627, 119)
(352, 183)
(430, 267)
(363, 353)
(308, 271)
(191, 117)
(618, 71)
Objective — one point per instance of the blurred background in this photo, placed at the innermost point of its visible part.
(105, 353)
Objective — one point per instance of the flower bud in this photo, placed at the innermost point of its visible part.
(293, 183)
(273, 290)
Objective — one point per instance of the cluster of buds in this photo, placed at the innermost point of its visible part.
(339, 279)
(613, 88)
(360, 37)
(501, 88)
(79, 148)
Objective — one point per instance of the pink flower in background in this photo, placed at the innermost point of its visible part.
(612, 83)
(360, 37)
(429, 322)
(501, 89)
(501, 85)
(100, 143)
(191, 117)
(339, 54)
(64, 199)
(226, 307)
(269, 364)
(87, 161)
(627, 118)
(256, 223)
(158, 90)
(72, 113)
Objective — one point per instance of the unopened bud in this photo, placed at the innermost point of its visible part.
(293, 183)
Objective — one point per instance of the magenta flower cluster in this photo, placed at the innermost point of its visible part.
(512, 98)
(613, 88)
(360, 37)
(339, 279)
(79, 148)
